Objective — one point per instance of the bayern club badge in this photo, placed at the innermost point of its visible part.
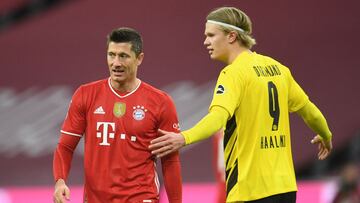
(139, 112)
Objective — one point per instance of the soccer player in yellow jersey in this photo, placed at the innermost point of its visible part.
(252, 100)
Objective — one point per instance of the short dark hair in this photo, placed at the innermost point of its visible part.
(125, 34)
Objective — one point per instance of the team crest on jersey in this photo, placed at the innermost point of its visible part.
(119, 109)
(139, 112)
(220, 89)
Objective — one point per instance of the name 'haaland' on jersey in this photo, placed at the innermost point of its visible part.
(272, 141)
(267, 71)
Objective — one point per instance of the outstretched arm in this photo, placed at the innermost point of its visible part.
(315, 120)
(209, 125)
(61, 166)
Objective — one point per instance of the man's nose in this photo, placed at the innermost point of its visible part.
(206, 42)
(117, 61)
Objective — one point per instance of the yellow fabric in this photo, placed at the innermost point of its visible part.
(315, 120)
(258, 93)
(206, 127)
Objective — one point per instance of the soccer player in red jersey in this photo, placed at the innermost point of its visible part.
(118, 117)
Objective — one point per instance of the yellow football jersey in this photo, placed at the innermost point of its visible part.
(258, 92)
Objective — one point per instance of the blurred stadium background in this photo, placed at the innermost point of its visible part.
(50, 47)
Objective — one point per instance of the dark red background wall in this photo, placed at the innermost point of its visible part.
(318, 40)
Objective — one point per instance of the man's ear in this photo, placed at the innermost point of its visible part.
(140, 58)
(232, 36)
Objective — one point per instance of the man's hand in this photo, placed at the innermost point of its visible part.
(168, 143)
(62, 192)
(324, 146)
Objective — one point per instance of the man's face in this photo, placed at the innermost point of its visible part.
(215, 42)
(122, 62)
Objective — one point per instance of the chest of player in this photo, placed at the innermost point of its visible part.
(128, 120)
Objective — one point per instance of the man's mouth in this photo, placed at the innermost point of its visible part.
(118, 71)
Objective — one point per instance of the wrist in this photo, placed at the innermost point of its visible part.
(59, 181)
(186, 138)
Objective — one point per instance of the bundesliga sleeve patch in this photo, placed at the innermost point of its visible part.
(220, 90)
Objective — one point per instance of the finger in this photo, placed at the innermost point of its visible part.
(159, 144)
(67, 194)
(159, 139)
(322, 150)
(160, 150)
(321, 153)
(57, 197)
(324, 155)
(163, 132)
(165, 153)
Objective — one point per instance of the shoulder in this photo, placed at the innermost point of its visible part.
(153, 90)
(94, 84)
(271, 60)
(91, 87)
(160, 97)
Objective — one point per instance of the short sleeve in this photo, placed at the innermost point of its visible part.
(227, 92)
(75, 120)
(168, 119)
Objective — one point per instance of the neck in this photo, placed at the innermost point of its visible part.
(126, 86)
(234, 52)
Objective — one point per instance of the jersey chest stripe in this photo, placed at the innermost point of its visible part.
(232, 179)
(230, 154)
(230, 128)
(229, 132)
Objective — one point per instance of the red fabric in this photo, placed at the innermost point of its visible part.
(172, 177)
(63, 155)
(117, 131)
(218, 163)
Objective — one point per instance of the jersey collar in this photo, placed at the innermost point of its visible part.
(128, 94)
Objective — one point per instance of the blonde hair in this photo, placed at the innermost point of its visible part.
(235, 17)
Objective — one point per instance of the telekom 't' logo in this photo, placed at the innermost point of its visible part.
(105, 132)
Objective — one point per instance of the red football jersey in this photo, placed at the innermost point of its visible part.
(118, 129)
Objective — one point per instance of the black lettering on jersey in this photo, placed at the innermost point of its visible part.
(267, 71)
(220, 89)
(272, 141)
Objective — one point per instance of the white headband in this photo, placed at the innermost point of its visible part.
(226, 25)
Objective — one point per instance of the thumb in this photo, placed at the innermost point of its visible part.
(162, 132)
(316, 139)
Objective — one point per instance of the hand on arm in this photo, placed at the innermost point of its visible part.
(317, 122)
(167, 143)
(170, 142)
